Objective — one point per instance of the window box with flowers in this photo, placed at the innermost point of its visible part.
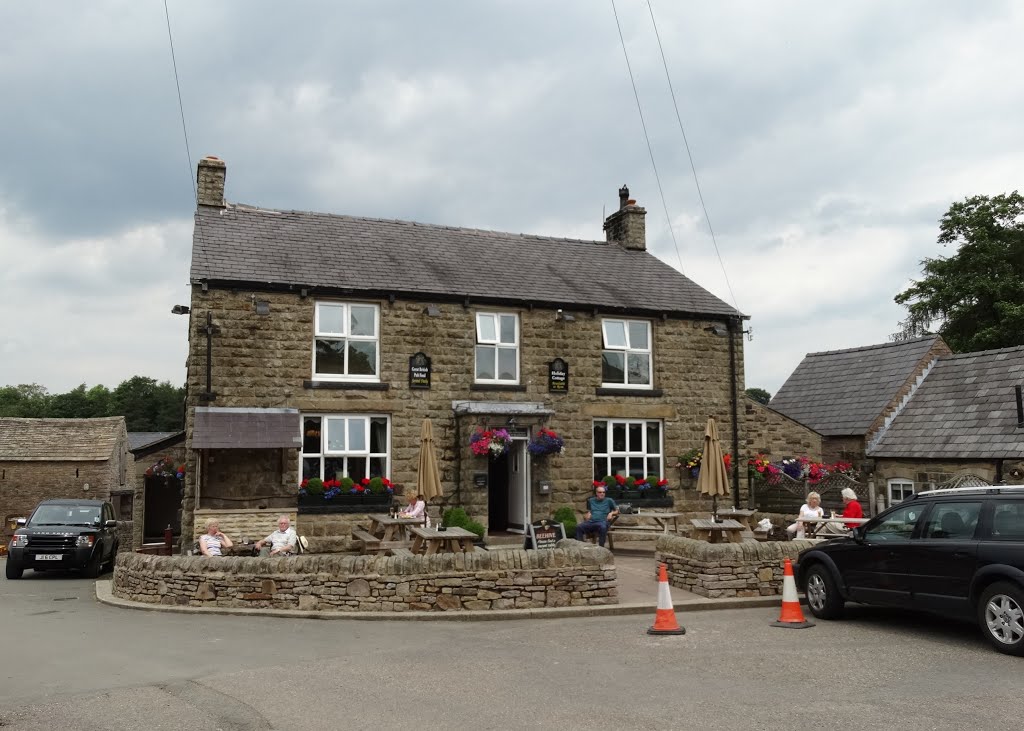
(765, 471)
(371, 494)
(645, 492)
(491, 443)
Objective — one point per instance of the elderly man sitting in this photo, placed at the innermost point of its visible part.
(281, 542)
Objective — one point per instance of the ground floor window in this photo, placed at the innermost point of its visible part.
(900, 490)
(345, 445)
(627, 447)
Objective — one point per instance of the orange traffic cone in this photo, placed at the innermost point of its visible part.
(791, 616)
(665, 618)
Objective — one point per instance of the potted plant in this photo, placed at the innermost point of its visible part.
(490, 442)
(546, 442)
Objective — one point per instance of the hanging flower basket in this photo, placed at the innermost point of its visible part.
(546, 442)
(166, 468)
(490, 442)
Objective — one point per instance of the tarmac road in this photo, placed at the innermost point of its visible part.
(72, 663)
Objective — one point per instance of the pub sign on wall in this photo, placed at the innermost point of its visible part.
(419, 371)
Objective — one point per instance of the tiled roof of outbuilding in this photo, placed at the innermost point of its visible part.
(139, 440)
(244, 244)
(59, 439)
(841, 392)
(965, 408)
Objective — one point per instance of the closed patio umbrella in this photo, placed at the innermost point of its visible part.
(712, 479)
(428, 477)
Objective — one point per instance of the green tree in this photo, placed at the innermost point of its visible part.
(759, 395)
(75, 404)
(147, 405)
(977, 295)
(26, 400)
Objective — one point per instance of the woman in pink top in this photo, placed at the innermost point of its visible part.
(416, 507)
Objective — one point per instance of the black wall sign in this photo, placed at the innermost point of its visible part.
(419, 371)
(545, 534)
(558, 376)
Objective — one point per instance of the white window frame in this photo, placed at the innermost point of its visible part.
(496, 344)
(344, 336)
(326, 453)
(626, 350)
(645, 452)
(903, 483)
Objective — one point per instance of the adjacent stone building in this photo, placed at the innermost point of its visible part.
(161, 490)
(42, 459)
(319, 343)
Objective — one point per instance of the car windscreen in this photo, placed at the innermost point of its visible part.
(88, 515)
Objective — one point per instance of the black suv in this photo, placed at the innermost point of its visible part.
(958, 553)
(65, 534)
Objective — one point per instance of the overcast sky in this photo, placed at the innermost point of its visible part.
(828, 139)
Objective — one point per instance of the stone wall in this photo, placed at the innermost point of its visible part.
(691, 368)
(927, 473)
(726, 569)
(766, 431)
(25, 483)
(844, 449)
(574, 574)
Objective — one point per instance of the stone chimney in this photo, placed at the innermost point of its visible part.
(210, 181)
(626, 226)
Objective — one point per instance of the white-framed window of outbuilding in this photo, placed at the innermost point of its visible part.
(628, 447)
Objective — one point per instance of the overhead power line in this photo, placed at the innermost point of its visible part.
(181, 107)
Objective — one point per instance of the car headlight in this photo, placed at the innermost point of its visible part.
(19, 541)
(86, 541)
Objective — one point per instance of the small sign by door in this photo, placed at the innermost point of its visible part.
(545, 534)
(419, 371)
(558, 376)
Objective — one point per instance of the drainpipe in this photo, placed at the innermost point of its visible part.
(735, 328)
(209, 395)
(458, 459)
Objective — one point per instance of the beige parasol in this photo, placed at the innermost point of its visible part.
(712, 479)
(428, 477)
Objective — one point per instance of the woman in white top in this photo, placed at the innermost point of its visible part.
(416, 507)
(211, 542)
(811, 509)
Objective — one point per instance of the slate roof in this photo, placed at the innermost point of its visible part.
(77, 440)
(141, 439)
(965, 408)
(249, 245)
(841, 392)
(234, 427)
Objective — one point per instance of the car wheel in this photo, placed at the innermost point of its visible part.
(95, 565)
(14, 569)
(823, 597)
(1001, 616)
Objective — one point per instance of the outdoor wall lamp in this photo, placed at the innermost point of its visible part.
(180, 310)
(716, 330)
(432, 311)
(564, 316)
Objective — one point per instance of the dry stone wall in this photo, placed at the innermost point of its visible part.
(573, 574)
(726, 569)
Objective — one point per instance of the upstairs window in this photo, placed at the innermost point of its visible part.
(626, 358)
(346, 344)
(497, 348)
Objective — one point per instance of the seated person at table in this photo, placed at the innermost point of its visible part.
(281, 542)
(211, 542)
(415, 509)
(811, 509)
(851, 509)
(601, 511)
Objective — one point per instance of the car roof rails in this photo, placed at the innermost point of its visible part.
(977, 489)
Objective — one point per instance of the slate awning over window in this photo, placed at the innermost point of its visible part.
(218, 427)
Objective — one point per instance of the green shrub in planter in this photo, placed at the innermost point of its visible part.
(455, 518)
(346, 483)
(376, 486)
(315, 486)
(610, 482)
(473, 527)
(567, 517)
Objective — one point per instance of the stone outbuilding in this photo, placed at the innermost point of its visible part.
(161, 490)
(318, 344)
(42, 459)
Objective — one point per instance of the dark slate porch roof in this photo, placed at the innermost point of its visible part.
(246, 428)
(841, 392)
(346, 254)
(965, 408)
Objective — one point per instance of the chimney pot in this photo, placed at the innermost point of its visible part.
(623, 197)
(210, 176)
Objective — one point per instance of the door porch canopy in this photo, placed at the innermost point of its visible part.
(219, 427)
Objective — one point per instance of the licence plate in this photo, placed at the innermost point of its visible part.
(49, 556)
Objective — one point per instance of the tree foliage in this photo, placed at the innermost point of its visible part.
(145, 404)
(759, 395)
(977, 295)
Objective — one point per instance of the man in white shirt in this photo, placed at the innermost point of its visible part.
(281, 542)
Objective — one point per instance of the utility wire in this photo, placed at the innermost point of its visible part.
(693, 167)
(181, 107)
(643, 124)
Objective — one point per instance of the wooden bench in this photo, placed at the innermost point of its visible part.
(402, 552)
(371, 543)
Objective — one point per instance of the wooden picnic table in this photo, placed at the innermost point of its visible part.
(740, 515)
(390, 529)
(450, 540)
(661, 519)
(817, 523)
(706, 529)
